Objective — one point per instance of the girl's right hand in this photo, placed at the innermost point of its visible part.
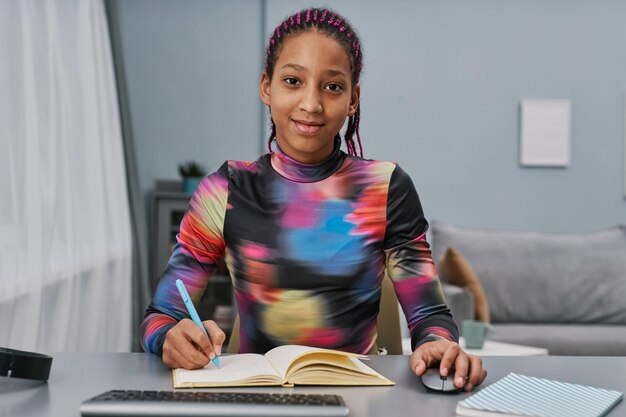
(186, 345)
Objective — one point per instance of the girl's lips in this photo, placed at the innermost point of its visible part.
(307, 128)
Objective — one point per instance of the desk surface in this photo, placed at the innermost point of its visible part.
(78, 376)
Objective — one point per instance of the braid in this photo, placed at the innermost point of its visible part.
(334, 25)
(272, 136)
(357, 123)
(353, 127)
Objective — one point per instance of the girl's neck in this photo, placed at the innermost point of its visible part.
(297, 171)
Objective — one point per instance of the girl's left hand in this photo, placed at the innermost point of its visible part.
(469, 371)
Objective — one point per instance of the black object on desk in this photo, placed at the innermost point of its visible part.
(205, 403)
(22, 364)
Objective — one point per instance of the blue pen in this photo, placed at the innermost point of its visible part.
(193, 313)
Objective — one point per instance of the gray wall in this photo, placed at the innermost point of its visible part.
(440, 95)
(192, 70)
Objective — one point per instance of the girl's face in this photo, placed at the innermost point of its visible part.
(310, 95)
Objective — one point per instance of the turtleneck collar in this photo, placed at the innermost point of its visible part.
(300, 172)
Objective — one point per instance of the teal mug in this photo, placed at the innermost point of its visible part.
(190, 184)
(475, 333)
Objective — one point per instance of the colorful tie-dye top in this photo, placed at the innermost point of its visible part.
(306, 247)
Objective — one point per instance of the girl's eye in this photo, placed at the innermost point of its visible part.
(292, 81)
(334, 87)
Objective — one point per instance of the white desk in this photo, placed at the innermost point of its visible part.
(491, 348)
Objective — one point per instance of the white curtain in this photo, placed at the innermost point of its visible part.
(65, 240)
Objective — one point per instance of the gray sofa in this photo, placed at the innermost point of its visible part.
(562, 291)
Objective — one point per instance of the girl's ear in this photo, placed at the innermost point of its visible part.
(354, 100)
(264, 88)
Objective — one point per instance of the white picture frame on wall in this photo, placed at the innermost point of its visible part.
(545, 133)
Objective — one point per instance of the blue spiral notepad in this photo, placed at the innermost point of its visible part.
(520, 395)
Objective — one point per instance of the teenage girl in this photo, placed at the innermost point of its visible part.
(307, 230)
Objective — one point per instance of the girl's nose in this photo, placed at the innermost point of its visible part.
(311, 101)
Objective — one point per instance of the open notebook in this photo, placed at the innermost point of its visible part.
(520, 395)
(285, 365)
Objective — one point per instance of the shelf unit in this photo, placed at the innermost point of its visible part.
(169, 203)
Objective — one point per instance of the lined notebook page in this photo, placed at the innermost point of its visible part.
(520, 395)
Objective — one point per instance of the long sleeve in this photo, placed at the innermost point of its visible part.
(199, 247)
(410, 266)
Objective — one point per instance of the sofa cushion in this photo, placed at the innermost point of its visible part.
(566, 339)
(459, 301)
(534, 277)
(455, 270)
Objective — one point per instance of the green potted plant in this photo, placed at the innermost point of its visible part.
(192, 173)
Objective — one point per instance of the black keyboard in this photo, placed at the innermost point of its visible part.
(205, 403)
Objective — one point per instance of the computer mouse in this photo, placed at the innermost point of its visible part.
(434, 381)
